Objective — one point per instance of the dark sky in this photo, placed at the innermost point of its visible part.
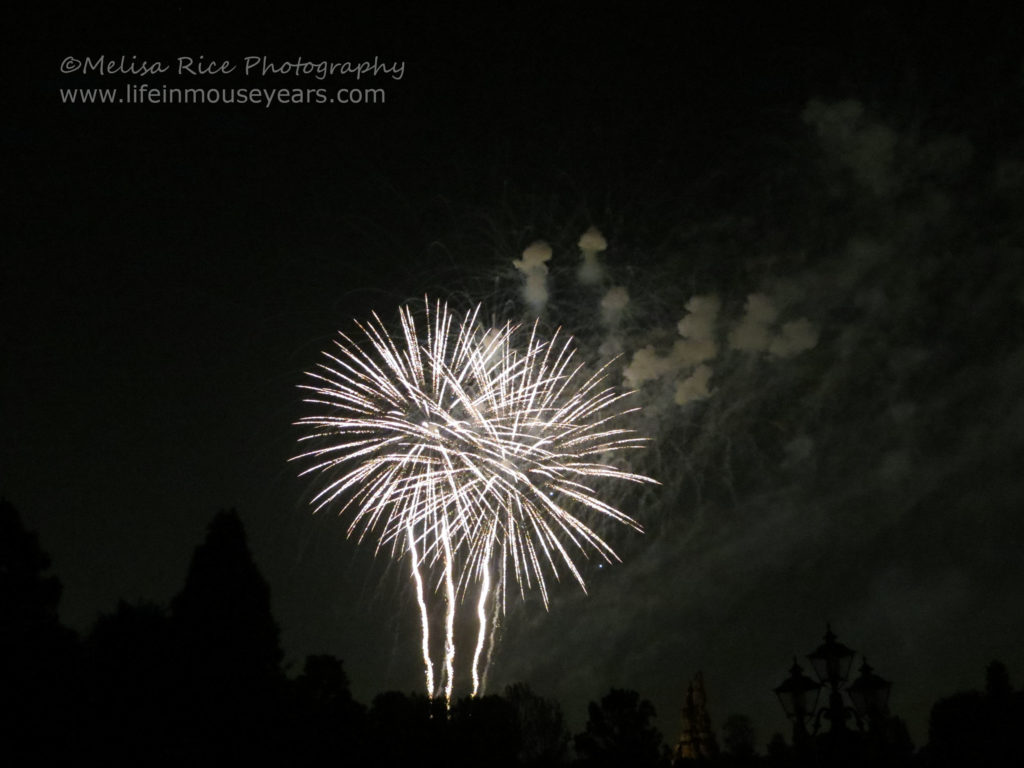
(171, 270)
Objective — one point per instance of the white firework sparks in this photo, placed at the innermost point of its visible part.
(473, 451)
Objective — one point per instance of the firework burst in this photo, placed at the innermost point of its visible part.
(474, 451)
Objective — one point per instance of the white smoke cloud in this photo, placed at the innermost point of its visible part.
(862, 501)
(753, 334)
(696, 347)
(612, 346)
(689, 352)
(695, 387)
(591, 243)
(698, 331)
(699, 323)
(865, 147)
(794, 337)
(646, 365)
(613, 304)
(535, 270)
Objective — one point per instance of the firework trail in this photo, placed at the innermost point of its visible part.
(473, 450)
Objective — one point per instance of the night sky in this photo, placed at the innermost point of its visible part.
(170, 271)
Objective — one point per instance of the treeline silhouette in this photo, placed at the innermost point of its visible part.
(202, 681)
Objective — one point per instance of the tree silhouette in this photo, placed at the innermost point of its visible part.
(323, 685)
(738, 737)
(38, 656)
(997, 681)
(325, 722)
(408, 730)
(779, 753)
(619, 732)
(224, 606)
(133, 686)
(543, 738)
(229, 649)
(28, 596)
(482, 730)
(1004, 710)
(978, 729)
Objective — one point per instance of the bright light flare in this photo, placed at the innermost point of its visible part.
(467, 448)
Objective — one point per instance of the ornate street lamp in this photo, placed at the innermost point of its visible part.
(832, 661)
(798, 695)
(870, 695)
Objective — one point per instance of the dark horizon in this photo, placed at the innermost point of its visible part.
(151, 679)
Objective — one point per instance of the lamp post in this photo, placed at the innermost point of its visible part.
(870, 696)
(798, 695)
(831, 661)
